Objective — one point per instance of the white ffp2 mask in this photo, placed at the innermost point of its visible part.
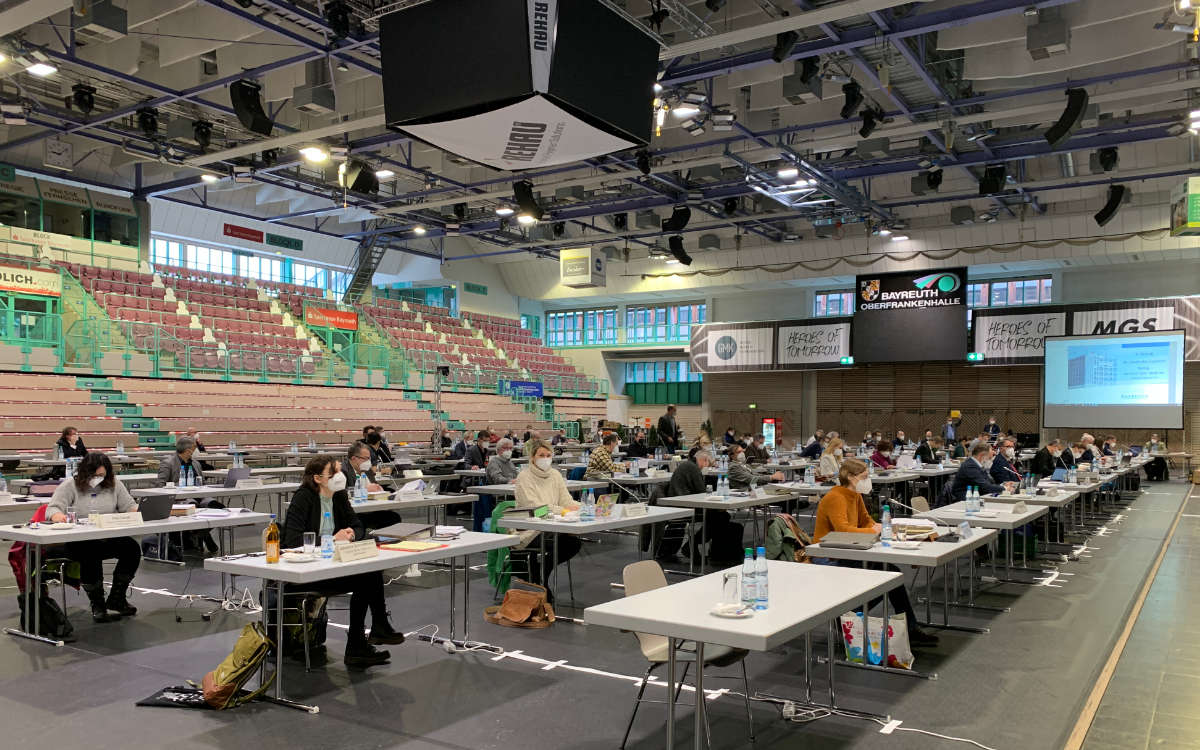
(337, 482)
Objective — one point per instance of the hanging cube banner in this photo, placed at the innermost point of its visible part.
(518, 84)
(1185, 208)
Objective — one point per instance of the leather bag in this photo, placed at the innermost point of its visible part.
(524, 606)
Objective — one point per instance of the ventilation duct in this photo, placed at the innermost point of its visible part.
(316, 96)
(1047, 34)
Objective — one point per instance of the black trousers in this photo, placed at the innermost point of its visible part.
(1157, 471)
(568, 546)
(91, 555)
(366, 592)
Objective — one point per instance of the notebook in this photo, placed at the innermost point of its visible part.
(404, 531)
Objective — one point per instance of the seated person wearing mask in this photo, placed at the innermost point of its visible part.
(559, 438)
(358, 463)
(380, 454)
(1046, 460)
(71, 444)
(756, 452)
(868, 441)
(96, 489)
(476, 456)
(730, 436)
(191, 432)
(1110, 446)
(1004, 467)
(1156, 468)
(1090, 451)
(991, 429)
(501, 469)
(458, 446)
(974, 473)
(843, 509)
(812, 451)
(742, 475)
(960, 448)
(539, 483)
(527, 446)
(831, 460)
(601, 465)
(882, 457)
(927, 450)
(320, 505)
(172, 468)
(724, 537)
(817, 437)
(900, 441)
(638, 448)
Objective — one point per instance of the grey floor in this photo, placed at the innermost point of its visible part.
(1020, 686)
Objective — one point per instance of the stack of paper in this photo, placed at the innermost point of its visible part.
(448, 532)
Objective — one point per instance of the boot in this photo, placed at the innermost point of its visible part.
(360, 653)
(100, 613)
(116, 597)
(382, 634)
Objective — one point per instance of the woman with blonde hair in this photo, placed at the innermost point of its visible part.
(831, 459)
(538, 484)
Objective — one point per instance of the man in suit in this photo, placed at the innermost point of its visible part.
(1047, 459)
(1004, 468)
(927, 450)
(949, 430)
(191, 432)
(974, 473)
(358, 462)
(991, 428)
(180, 464)
(476, 456)
(756, 452)
(668, 430)
(1090, 451)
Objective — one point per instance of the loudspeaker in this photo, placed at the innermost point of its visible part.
(358, 177)
(1072, 117)
(679, 219)
(247, 105)
(1117, 194)
(993, 179)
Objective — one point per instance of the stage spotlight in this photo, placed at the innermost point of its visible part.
(1117, 194)
(358, 177)
(679, 219)
(933, 178)
(269, 157)
(783, 45)
(731, 206)
(643, 162)
(83, 97)
(854, 99)
(559, 228)
(620, 222)
(523, 193)
(147, 120)
(994, 178)
(1108, 158)
(1071, 119)
(338, 17)
(870, 121)
(460, 211)
(676, 245)
(656, 18)
(810, 68)
(202, 132)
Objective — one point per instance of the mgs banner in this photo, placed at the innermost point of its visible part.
(912, 316)
(321, 317)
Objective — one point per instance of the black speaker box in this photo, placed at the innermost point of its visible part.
(246, 100)
(1072, 117)
(1116, 196)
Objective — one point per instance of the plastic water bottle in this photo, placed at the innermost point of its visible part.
(1072, 476)
(885, 523)
(360, 489)
(588, 512)
(58, 451)
(810, 476)
(722, 485)
(760, 579)
(749, 580)
(120, 447)
(327, 539)
(3, 484)
(232, 446)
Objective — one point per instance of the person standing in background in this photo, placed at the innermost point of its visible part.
(668, 430)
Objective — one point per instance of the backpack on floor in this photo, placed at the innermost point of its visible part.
(294, 635)
(52, 622)
(222, 686)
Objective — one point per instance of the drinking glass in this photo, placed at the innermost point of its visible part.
(731, 587)
(900, 532)
(71, 517)
(310, 542)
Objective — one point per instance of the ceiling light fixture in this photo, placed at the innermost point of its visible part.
(884, 232)
(504, 211)
(314, 154)
(384, 174)
(684, 111)
(523, 192)
(526, 219)
(209, 178)
(788, 173)
(83, 97)
(41, 69)
(899, 238)
(418, 229)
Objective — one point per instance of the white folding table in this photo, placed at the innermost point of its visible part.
(754, 502)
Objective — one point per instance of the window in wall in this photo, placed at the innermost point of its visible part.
(306, 275)
(581, 327)
(264, 269)
(19, 211)
(533, 324)
(644, 324)
(673, 371)
(211, 259)
(833, 304)
(1031, 291)
(166, 252)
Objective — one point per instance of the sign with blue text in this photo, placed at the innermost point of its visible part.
(525, 388)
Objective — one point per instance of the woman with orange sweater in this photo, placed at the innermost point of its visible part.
(843, 509)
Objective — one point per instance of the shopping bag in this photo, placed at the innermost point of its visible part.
(900, 653)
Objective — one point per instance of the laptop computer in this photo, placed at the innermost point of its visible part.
(849, 540)
(234, 475)
(155, 508)
(1059, 475)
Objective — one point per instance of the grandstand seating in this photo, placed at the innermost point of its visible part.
(519, 345)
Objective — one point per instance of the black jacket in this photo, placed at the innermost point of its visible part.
(380, 454)
(304, 514)
(351, 478)
(688, 479)
(79, 451)
(1067, 459)
(812, 450)
(668, 432)
(475, 456)
(1043, 464)
(1003, 471)
(926, 453)
(971, 474)
(637, 450)
(756, 455)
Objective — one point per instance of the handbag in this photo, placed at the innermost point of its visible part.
(900, 653)
(524, 606)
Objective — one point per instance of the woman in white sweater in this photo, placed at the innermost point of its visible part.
(831, 460)
(539, 484)
(94, 490)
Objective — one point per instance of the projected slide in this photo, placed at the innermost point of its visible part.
(1130, 380)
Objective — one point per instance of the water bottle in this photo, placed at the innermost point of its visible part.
(810, 476)
(1072, 476)
(294, 448)
(722, 486)
(885, 523)
(183, 478)
(749, 580)
(58, 452)
(232, 446)
(760, 579)
(327, 539)
(360, 489)
(120, 447)
(588, 512)
(3, 484)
